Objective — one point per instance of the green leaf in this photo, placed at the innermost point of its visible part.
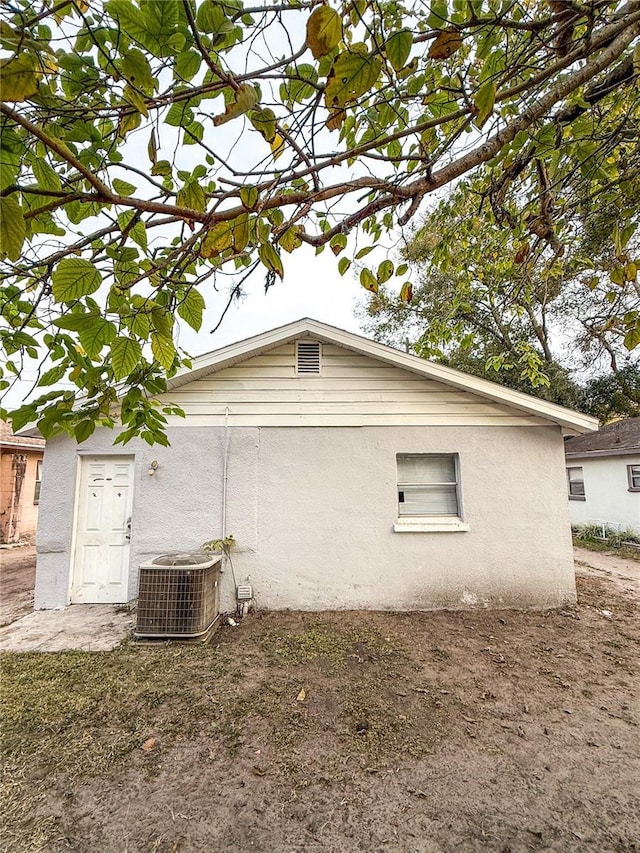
(249, 197)
(45, 176)
(162, 168)
(617, 276)
(385, 271)
(338, 243)
(180, 114)
(23, 416)
(484, 100)
(125, 356)
(264, 121)
(270, 257)
(343, 265)
(192, 196)
(123, 188)
(13, 229)
(95, 333)
(74, 278)
(191, 308)
(135, 98)
(163, 349)
(368, 280)
(55, 374)
(135, 67)
(324, 31)
(83, 430)
(187, 65)
(353, 74)
(632, 338)
(19, 78)
(398, 48)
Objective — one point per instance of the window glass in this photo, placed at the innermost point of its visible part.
(427, 485)
(575, 478)
(36, 491)
(633, 472)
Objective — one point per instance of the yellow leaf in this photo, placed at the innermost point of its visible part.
(302, 695)
(406, 292)
(324, 31)
(445, 45)
(277, 146)
(148, 745)
(245, 98)
(19, 78)
(336, 119)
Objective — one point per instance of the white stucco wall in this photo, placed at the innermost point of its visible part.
(607, 496)
(312, 511)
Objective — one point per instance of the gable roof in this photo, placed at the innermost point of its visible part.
(233, 354)
(617, 439)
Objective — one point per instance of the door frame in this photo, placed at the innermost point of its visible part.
(81, 455)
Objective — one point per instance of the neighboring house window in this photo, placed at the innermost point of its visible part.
(36, 491)
(308, 356)
(575, 479)
(428, 492)
(633, 473)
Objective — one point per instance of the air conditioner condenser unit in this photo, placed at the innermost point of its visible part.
(178, 596)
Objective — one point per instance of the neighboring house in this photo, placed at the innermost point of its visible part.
(20, 476)
(350, 474)
(603, 476)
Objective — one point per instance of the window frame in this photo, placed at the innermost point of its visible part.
(37, 485)
(431, 522)
(631, 477)
(570, 494)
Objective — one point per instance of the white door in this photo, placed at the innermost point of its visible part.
(103, 530)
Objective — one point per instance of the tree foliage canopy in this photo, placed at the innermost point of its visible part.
(151, 147)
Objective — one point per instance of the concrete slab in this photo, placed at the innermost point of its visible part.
(82, 627)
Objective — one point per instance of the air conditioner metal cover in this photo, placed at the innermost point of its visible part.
(193, 560)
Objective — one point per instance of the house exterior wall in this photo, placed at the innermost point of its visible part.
(312, 512)
(607, 496)
(18, 518)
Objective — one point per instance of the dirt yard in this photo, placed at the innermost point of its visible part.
(17, 579)
(433, 732)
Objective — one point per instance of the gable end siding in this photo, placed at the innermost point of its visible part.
(353, 390)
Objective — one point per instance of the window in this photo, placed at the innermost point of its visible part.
(428, 492)
(308, 357)
(575, 480)
(36, 491)
(633, 473)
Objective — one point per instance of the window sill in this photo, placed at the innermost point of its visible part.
(577, 498)
(425, 525)
(634, 490)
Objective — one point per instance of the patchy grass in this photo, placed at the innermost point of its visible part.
(602, 547)
(342, 732)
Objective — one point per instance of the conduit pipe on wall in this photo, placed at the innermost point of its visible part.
(225, 472)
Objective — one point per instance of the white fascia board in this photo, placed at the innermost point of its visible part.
(574, 422)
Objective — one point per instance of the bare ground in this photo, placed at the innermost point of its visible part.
(433, 732)
(17, 580)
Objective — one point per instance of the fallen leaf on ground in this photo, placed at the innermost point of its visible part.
(149, 743)
(302, 695)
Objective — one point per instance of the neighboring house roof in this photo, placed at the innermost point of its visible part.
(621, 438)
(573, 422)
(9, 440)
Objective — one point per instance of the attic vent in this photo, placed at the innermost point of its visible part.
(308, 357)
